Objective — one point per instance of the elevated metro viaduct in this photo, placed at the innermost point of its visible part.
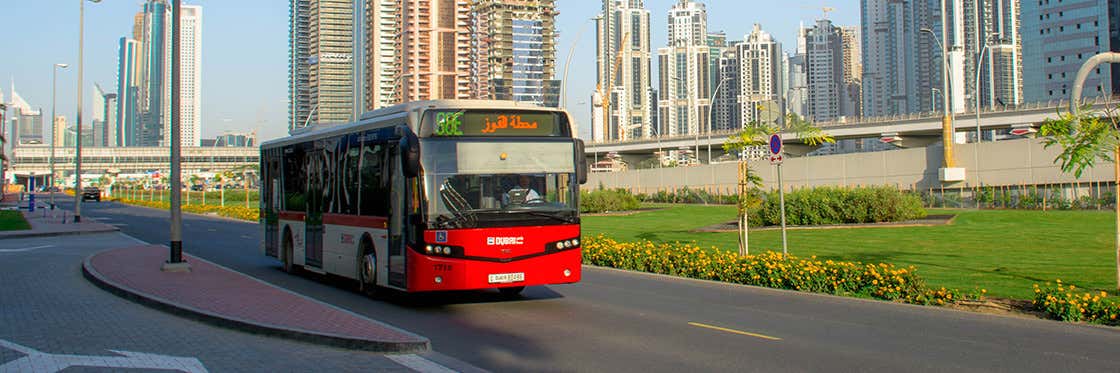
(914, 131)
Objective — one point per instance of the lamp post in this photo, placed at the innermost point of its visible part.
(568, 62)
(976, 88)
(710, 120)
(54, 87)
(78, 122)
(933, 97)
(947, 119)
(175, 263)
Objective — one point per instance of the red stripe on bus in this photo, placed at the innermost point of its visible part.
(356, 221)
(291, 215)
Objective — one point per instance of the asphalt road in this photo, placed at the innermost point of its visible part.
(622, 321)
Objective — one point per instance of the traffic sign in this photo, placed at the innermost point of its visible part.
(776, 159)
(775, 144)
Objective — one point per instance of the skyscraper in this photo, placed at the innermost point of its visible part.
(431, 50)
(26, 123)
(685, 86)
(144, 77)
(851, 99)
(726, 114)
(108, 134)
(513, 51)
(380, 70)
(128, 94)
(321, 62)
(825, 68)
(759, 95)
(901, 65)
(623, 71)
(97, 124)
(1057, 39)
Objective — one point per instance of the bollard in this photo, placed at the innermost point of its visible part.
(31, 203)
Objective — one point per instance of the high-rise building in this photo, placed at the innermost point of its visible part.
(432, 47)
(61, 135)
(97, 122)
(685, 86)
(146, 63)
(321, 62)
(623, 72)
(26, 123)
(1057, 38)
(852, 99)
(991, 28)
(825, 71)
(725, 104)
(127, 131)
(108, 133)
(513, 51)
(380, 76)
(902, 66)
(759, 95)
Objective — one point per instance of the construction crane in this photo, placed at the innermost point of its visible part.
(599, 87)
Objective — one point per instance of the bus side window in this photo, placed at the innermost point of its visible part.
(371, 195)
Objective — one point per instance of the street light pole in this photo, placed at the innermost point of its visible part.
(54, 87)
(947, 119)
(78, 122)
(175, 263)
(976, 88)
(571, 51)
(710, 120)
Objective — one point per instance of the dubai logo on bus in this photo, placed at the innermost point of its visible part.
(504, 241)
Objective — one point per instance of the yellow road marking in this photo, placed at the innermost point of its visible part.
(740, 332)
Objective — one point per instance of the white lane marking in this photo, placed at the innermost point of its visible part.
(419, 364)
(38, 361)
(118, 224)
(24, 249)
(246, 237)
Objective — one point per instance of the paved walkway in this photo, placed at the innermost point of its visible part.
(219, 295)
(47, 222)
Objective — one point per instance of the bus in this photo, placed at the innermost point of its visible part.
(429, 196)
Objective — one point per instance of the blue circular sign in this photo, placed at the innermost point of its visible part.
(775, 144)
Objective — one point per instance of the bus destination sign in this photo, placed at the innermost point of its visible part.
(495, 123)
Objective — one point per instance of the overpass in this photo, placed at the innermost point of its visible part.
(915, 130)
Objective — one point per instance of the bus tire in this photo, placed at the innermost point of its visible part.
(510, 293)
(288, 251)
(367, 268)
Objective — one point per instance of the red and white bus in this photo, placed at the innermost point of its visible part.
(429, 196)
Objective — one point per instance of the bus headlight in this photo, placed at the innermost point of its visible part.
(567, 273)
(575, 242)
(428, 249)
(568, 244)
(559, 245)
(446, 250)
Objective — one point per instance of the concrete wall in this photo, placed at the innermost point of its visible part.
(1014, 162)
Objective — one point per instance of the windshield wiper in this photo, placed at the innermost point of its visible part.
(561, 215)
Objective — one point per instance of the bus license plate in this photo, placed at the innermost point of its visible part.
(503, 278)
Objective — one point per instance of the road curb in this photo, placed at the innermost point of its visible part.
(327, 339)
(8, 235)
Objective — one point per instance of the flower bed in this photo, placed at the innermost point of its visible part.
(769, 269)
(235, 212)
(1067, 303)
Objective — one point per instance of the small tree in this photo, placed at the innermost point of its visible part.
(757, 134)
(1086, 137)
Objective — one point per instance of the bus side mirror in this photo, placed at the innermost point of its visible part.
(581, 162)
(410, 154)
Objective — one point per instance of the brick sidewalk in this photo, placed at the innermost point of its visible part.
(58, 222)
(216, 294)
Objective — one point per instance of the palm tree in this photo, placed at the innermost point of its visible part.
(758, 134)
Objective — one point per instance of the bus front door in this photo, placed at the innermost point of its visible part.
(313, 234)
(398, 198)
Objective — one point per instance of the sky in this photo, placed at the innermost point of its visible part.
(245, 48)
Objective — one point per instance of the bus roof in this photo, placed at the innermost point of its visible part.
(371, 119)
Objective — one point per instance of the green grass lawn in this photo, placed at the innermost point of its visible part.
(1005, 252)
(12, 220)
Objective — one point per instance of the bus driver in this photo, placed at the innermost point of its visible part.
(521, 193)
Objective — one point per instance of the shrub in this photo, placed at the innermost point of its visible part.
(832, 205)
(1066, 303)
(604, 200)
(688, 195)
(769, 269)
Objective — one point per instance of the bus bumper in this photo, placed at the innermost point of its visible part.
(430, 273)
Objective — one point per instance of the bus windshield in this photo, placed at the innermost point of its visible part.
(484, 184)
